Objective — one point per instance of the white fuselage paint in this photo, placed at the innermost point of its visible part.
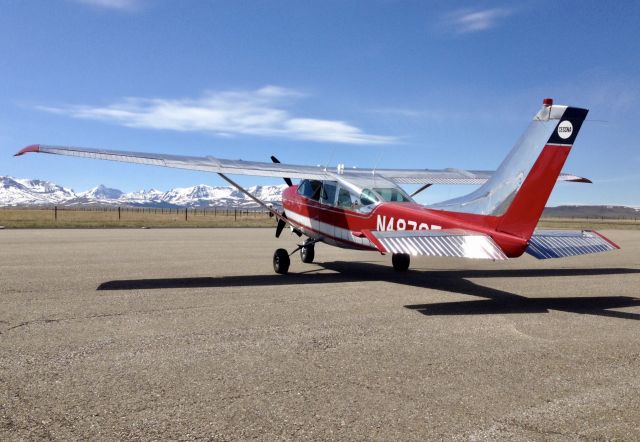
(341, 237)
(329, 233)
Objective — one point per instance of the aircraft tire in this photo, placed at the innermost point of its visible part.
(400, 262)
(281, 261)
(307, 254)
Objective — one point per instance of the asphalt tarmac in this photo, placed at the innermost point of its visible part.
(188, 334)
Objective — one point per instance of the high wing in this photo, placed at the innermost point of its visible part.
(241, 167)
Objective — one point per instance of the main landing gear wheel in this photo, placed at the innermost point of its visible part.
(400, 262)
(281, 261)
(307, 253)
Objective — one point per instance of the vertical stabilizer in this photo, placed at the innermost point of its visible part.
(520, 187)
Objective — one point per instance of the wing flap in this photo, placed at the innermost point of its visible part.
(440, 243)
(546, 244)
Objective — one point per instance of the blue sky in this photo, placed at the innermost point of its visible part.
(366, 83)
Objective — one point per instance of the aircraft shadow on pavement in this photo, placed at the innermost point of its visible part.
(457, 281)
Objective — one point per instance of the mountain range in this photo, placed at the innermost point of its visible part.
(18, 192)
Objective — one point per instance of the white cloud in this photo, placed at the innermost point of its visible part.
(474, 20)
(260, 112)
(113, 4)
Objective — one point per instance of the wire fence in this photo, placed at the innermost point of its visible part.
(64, 216)
(593, 218)
(108, 216)
(191, 211)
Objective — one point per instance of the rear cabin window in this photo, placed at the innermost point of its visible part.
(394, 195)
(328, 195)
(368, 197)
(344, 199)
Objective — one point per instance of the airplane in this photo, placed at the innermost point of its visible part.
(366, 209)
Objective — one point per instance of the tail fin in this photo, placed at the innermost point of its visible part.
(520, 187)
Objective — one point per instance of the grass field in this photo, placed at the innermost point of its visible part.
(165, 218)
(131, 218)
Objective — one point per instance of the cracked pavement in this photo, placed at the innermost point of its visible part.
(188, 334)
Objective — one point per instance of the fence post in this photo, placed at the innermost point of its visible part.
(235, 214)
(185, 214)
(55, 213)
(118, 213)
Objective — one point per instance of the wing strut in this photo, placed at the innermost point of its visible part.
(275, 213)
(281, 217)
(426, 186)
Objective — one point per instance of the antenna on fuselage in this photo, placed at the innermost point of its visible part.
(333, 151)
(373, 172)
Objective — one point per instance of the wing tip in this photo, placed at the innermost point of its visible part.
(571, 178)
(606, 239)
(31, 148)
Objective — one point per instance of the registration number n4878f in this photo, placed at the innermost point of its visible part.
(393, 223)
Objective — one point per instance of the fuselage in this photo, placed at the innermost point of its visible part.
(343, 227)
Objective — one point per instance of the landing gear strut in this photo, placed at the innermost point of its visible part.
(400, 262)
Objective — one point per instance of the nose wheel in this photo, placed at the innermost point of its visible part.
(282, 260)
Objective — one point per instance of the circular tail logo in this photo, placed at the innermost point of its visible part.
(565, 129)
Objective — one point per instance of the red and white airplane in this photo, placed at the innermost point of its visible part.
(367, 209)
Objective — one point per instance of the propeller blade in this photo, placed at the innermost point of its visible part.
(279, 227)
(286, 180)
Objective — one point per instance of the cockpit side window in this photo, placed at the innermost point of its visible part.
(302, 187)
(316, 186)
(310, 189)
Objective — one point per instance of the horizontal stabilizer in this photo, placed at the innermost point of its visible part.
(545, 244)
(452, 243)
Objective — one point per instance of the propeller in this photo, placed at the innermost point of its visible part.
(281, 222)
(280, 226)
(286, 180)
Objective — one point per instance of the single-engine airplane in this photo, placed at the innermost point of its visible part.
(367, 209)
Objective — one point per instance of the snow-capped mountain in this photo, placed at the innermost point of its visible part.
(22, 192)
(16, 191)
(101, 193)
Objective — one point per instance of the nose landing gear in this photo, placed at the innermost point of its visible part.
(281, 260)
